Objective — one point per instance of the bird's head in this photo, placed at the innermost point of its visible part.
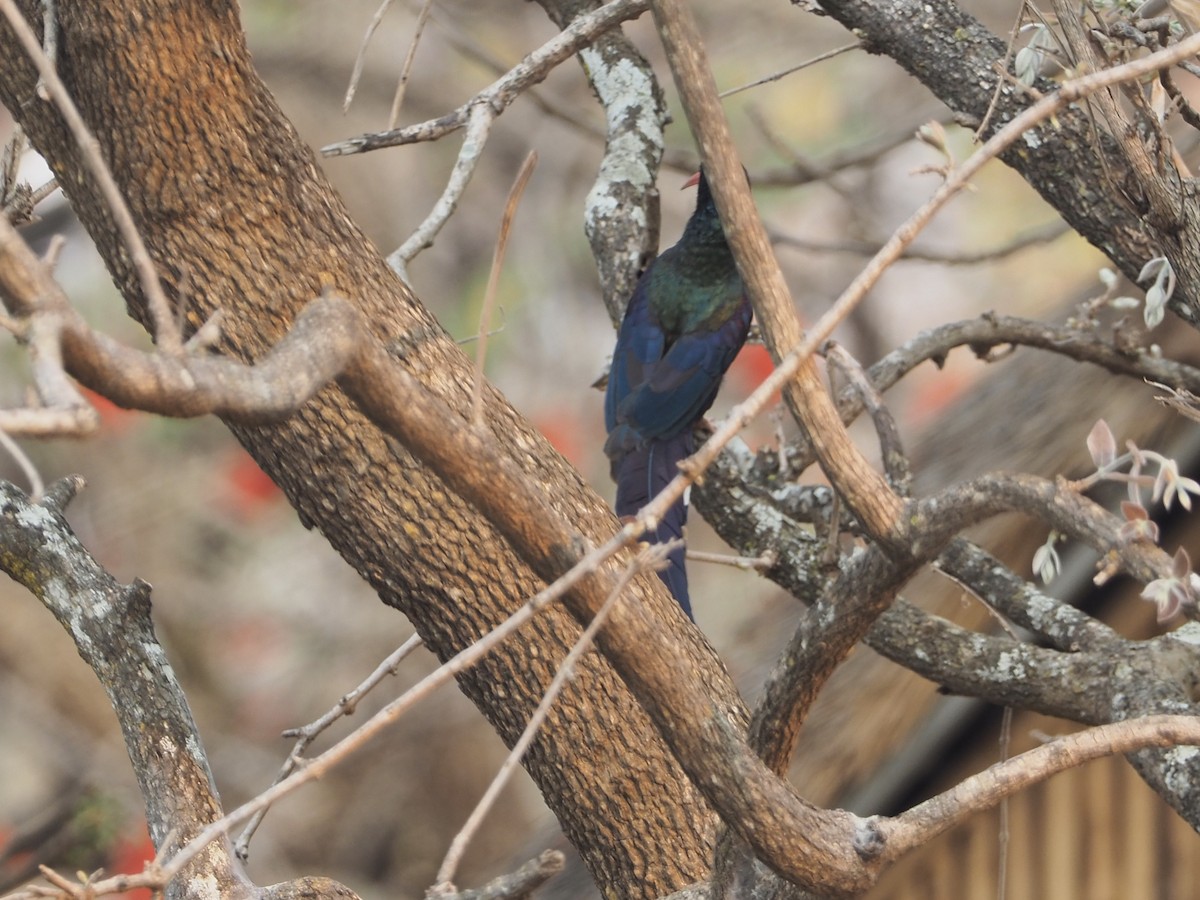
(700, 183)
(704, 199)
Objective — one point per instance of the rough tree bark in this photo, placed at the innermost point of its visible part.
(238, 217)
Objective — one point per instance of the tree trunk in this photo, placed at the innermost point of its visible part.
(238, 217)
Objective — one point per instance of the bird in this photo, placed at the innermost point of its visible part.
(685, 322)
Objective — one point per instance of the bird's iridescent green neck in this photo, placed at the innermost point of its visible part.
(695, 284)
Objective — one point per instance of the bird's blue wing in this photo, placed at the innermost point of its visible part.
(640, 345)
(677, 389)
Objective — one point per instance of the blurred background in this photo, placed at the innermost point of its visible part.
(265, 625)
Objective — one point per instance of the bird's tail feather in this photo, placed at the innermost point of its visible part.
(640, 474)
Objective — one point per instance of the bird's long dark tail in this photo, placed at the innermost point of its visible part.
(640, 474)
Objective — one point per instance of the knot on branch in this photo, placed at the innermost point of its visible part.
(869, 839)
(62, 492)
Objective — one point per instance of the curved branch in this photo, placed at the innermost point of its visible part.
(894, 837)
(776, 520)
(479, 118)
(996, 668)
(1153, 678)
(166, 332)
(990, 331)
(868, 582)
(1052, 620)
(318, 346)
(983, 335)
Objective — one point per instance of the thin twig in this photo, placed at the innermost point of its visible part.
(479, 124)
(489, 295)
(518, 885)
(809, 169)
(1043, 235)
(1003, 68)
(41, 193)
(822, 57)
(455, 34)
(1002, 838)
(406, 68)
(895, 461)
(309, 733)
(166, 332)
(36, 486)
(361, 59)
(471, 338)
(746, 563)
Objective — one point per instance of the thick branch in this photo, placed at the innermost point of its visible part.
(864, 489)
(110, 625)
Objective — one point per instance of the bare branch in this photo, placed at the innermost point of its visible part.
(36, 486)
(116, 638)
(489, 296)
(1183, 401)
(406, 68)
(745, 563)
(501, 93)
(621, 211)
(1032, 238)
(895, 462)
(819, 58)
(479, 126)
(516, 886)
(310, 732)
(984, 334)
(360, 58)
(456, 35)
(307, 359)
(894, 837)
